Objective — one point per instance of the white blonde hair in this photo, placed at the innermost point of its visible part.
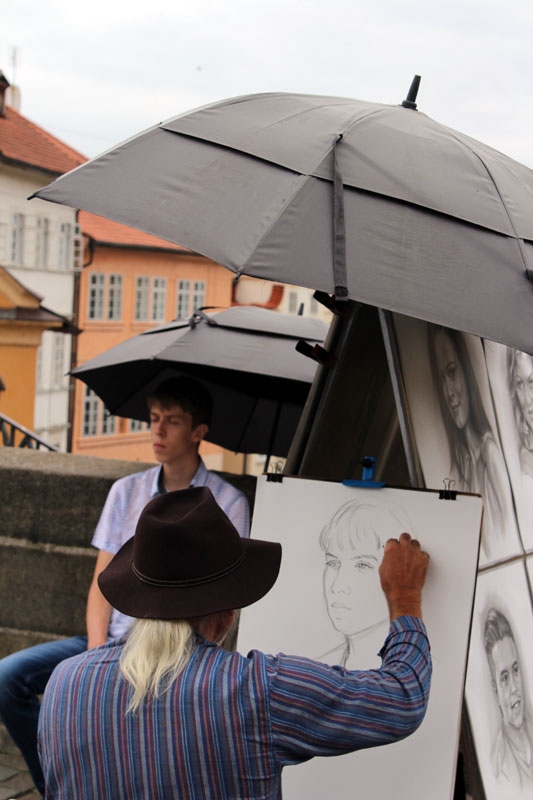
(156, 651)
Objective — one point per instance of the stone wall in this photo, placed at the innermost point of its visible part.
(50, 504)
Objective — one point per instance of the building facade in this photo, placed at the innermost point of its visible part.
(131, 281)
(40, 247)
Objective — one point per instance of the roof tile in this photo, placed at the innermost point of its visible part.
(23, 141)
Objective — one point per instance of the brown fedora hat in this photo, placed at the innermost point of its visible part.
(186, 560)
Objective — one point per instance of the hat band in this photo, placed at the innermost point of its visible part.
(189, 581)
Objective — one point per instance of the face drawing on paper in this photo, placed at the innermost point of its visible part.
(477, 464)
(520, 380)
(353, 543)
(512, 756)
(452, 380)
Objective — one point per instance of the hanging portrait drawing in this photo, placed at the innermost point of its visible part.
(327, 604)
(499, 682)
(511, 380)
(455, 427)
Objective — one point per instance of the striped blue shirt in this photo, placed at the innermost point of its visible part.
(129, 495)
(228, 725)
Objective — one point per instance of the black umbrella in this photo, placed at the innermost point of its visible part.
(244, 355)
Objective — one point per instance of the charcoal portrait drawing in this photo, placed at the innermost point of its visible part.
(512, 752)
(520, 383)
(477, 463)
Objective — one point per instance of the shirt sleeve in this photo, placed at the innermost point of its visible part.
(320, 710)
(239, 513)
(107, 533)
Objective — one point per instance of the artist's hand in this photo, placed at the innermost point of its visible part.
(403, 574)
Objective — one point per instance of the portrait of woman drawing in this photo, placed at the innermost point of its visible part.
(352, 543)
(477, 463)
(520, 382)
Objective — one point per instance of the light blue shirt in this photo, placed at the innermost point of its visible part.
(127, 498)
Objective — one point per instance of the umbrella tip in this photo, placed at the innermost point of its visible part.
(409, 101)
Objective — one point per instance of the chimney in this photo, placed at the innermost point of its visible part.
(4, 83)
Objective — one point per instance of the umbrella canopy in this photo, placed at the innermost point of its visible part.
(245, 356)
(377, 203)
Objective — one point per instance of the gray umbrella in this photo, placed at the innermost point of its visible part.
(376, 203)
(247, 358)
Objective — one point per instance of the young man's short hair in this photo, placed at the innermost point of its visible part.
(497, 627)
(187, 393)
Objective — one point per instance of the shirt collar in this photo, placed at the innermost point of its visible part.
(199, 478)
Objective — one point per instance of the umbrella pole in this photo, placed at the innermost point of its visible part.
(309, 421)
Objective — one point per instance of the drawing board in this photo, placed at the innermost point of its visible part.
(319, 609)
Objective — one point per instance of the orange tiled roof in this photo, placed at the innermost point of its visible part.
(27, 143)
(105, 231)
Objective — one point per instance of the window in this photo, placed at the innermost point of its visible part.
(137, 425)
(17, 239)
(159, 291)
(198, 298)
(183, 300)
(65, 260)
(90, 413)
(114, 297)
(42, 242)
(184, 307)
(96, 296)
(142, 294)
(293, 302)
(58, 361)
(97, 420)
(313, 306)
(108, 422)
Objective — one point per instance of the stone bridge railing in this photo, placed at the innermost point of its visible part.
(49, 506)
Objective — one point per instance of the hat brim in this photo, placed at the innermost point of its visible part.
(250, 581)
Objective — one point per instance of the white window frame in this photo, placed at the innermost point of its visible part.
(293, 302)
(95, 307)
(65, 259)
(159, 294)
(142, 298)
(42, 242)
(108, 422)
(183, 300)
(58, 361)
(137, 425)
(114, 297)
(90, 413)
(198, 295)
(18, 227)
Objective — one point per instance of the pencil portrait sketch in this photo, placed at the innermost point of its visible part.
(353, 543)
(512, 753)
(520, 384)
(477, 463)
(510, 374)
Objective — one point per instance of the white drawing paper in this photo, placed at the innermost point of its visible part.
(500, 681)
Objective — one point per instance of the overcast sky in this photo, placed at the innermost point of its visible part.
(95, 73)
